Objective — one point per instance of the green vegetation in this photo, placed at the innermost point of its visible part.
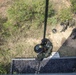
(22, 11)
(65, 14)
(52, 21)
(73, 2)
(2, 70)
(22, 15)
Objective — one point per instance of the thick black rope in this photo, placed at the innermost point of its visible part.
(37, 67)
(45, 25)
(46, 15)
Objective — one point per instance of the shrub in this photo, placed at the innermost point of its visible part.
(53, 20)
(65, 14)
(2, 70)
(73, 2)
(22, 11)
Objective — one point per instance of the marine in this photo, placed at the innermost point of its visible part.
(65, 25)
(46, 50)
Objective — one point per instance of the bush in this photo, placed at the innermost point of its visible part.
(2, 21)
(22, 11)
(2, 70)
(53, 20)
(73, 2)
(65, 14)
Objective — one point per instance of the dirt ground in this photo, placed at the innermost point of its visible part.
(60, 38)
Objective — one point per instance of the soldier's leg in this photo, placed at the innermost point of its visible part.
(40, 56)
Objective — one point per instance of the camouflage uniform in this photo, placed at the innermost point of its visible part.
(65, 25)
(47, 49)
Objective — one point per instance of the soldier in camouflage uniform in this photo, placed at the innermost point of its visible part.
(65, 25)
(46, 50)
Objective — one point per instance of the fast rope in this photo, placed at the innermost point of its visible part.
(44, 49)
(37, 67)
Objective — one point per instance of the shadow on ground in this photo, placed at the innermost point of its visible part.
(68, 48)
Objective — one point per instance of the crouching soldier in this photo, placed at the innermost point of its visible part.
(65, 25)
